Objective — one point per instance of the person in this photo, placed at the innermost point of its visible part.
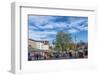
(81, 55)
(29, 57)
(85, 52)
(36, 56)
(70, 53)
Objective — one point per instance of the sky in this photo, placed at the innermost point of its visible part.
(46, 27)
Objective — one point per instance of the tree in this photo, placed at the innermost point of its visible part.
(62, 41)
(71, 46)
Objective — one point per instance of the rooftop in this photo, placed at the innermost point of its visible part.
(42, 41)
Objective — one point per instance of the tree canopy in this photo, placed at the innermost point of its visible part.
(62, 41)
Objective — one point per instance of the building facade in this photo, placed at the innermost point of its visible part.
(41, 45)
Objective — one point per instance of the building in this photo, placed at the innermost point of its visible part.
(41, 45)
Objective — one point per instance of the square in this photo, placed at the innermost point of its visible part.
(57, 37)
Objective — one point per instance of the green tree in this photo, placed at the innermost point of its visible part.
(71, 46)
(62, 41)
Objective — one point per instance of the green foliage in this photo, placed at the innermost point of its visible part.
(62, 41)
(71, 46)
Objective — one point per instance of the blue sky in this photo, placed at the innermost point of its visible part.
(46, 27)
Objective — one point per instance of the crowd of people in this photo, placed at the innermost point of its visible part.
(69, 54)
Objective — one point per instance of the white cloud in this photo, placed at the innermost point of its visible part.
(40, 35)
(48, 24)
(38, 20)
(77, 25)
(31, 28)
(34, 36)
(73, 31)
(45, 23)
(52, 25)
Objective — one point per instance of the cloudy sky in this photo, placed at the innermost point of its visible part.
(46, 27)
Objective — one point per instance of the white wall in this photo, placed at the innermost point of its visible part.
(41, 46)
(45, 47)
(5, 42)
(38, 45)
